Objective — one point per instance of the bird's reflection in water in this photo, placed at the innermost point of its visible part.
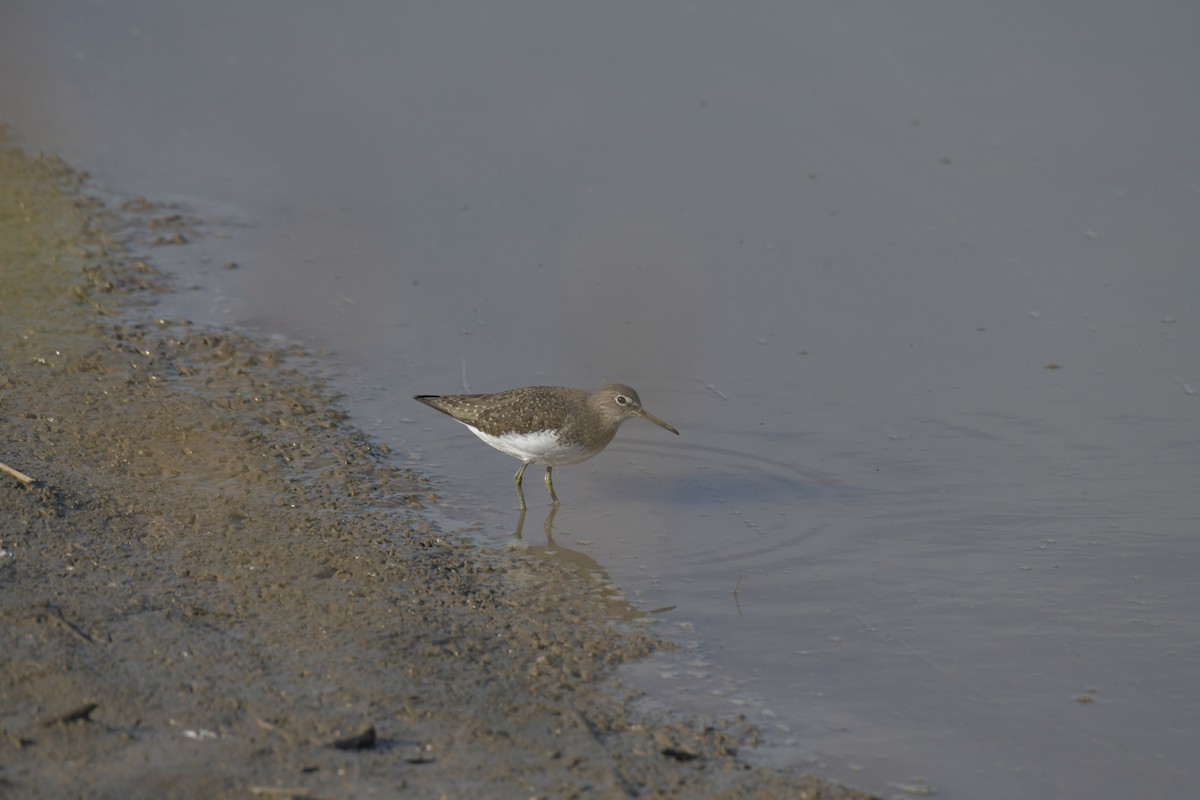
(578, 563)
(547, 526)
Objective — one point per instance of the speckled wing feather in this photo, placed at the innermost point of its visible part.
(531, 409)
(524, 410)
(462, 407)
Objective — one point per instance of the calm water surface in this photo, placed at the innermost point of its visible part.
(917, 283)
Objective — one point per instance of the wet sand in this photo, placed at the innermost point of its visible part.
(216, 586)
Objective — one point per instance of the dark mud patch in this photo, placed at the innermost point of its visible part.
(217, 587)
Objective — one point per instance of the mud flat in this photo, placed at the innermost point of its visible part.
(215, 586)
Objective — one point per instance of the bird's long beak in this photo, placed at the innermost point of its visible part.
(646, 415)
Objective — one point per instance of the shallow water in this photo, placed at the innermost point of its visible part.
(917, 286)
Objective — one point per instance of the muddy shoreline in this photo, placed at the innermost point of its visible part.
(218, 587)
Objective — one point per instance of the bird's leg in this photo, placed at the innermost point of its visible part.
(517, 482)
(550, 486)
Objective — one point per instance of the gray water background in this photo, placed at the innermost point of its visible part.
(917, 281)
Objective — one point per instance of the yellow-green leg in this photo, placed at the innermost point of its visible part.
(517, 481)
(550, 486)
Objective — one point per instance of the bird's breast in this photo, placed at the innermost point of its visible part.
(540, 447)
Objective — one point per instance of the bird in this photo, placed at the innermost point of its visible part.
(549, 425)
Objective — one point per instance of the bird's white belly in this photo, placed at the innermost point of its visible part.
(542, 447)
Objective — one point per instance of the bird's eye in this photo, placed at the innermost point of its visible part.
(622, 400)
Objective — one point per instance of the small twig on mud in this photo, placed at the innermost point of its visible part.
(82, 712)
(56, 615)
(280, 791)
(21, 476)
(267, 726)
